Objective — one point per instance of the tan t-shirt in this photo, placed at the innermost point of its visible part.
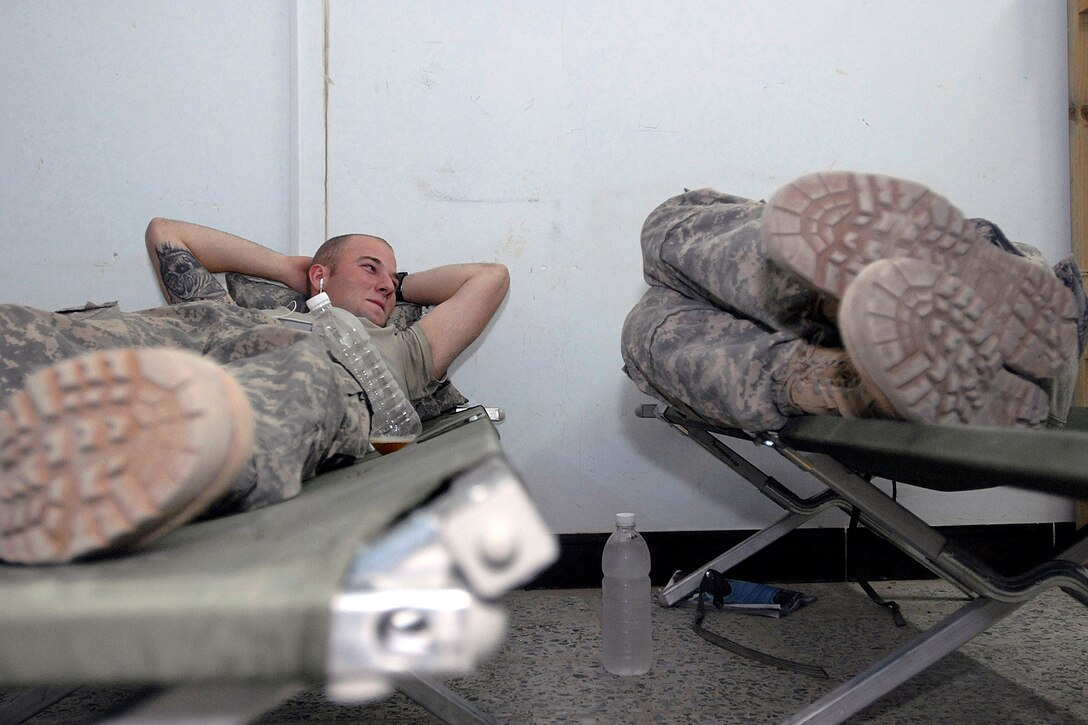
(406, 352)
(408, 355)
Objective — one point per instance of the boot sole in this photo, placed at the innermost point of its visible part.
(828, 227)
(114, 449)
(932, 347)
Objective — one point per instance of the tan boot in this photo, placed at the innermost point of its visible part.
(823, 381)
(114, 449)
(938, 353)
(828, 227)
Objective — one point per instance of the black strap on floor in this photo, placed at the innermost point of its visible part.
(739, 649)
(892, 607)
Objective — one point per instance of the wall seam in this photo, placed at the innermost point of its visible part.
(325, 110)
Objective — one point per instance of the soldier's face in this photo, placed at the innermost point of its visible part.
(363, 279)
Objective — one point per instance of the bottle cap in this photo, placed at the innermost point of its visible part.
(318, 302)
(625, 519)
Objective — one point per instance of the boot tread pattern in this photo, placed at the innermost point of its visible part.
(105, 450)
(934, 348)
(828, 227)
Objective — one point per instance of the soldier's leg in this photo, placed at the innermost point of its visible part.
(307, 409)
(84, 447)
(114, 448)
(35, 338)
(829, 228)
(732, 371)
(706, 245)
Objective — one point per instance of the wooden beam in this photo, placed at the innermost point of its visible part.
(1078, 167)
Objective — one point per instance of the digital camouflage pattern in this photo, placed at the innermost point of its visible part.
(720, 321)
(717, 329)
(694, 355)
(307, 408)
(705, 245)
(264, 294)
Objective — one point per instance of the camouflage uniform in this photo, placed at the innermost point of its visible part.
(307, 408)
(721, 321)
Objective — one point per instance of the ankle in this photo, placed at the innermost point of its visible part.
(823, 381)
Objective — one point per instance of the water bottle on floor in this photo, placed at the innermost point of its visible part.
(626, 601)
(394, 423)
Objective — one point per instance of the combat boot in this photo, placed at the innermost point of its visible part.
(114, 449)
(932, 348)
(823, 381)
(828, 228)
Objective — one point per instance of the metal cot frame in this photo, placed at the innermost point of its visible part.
(842, 455)
(383, 575)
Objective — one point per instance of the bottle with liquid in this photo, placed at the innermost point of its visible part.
(394, 422)
(626, 600)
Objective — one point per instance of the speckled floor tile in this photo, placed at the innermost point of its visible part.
(1028, 668)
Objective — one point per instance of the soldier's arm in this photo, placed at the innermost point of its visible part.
(467, 297)
(186, 256)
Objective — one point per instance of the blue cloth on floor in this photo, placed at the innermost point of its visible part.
(750, 597)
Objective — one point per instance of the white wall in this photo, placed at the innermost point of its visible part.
(537, 134)
(542, 134)
(116, 111)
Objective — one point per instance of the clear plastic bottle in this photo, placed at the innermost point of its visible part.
(394, 423)
(626, 601)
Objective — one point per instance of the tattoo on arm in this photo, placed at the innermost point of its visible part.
(185, 279)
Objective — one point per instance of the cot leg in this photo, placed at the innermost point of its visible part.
(30, 702)
(895, 669)
(212, 704)
(441, 701)
(681, 590)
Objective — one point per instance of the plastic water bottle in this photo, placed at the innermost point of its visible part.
(626, 600)
(394, 422)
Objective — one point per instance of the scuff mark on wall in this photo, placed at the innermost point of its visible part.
(437, 195)
(104, 264)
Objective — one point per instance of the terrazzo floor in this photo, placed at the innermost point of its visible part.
(1029, 668)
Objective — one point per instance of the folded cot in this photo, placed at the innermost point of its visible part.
(380, 575)
(844, 455)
